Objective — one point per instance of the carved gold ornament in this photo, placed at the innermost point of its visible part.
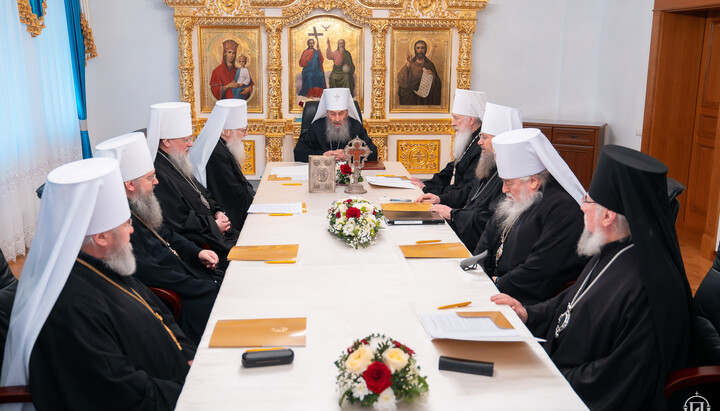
(248, 166)
(419, 156)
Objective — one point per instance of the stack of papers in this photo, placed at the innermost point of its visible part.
(296, 173)
(470, 326)
(395, 182)
(282, 208)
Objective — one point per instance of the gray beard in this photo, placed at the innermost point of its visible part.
(339, 134)
(590, 243)
(121, 259)
(509, 209)
(462, 138)
(147, 207)
(237, 149)
(182, 163)
(485, 165)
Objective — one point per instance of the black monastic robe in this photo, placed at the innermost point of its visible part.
(315, 143)
(539, 256)
(184, 212)
(227, 182)
(101, 349)
(158, 266)
(464, 170)
(470, 217)
(8, 287)
(608, 351)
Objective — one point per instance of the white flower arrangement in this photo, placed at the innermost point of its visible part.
(354, 220)
(379, 371)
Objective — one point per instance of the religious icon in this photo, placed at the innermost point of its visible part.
(325, 52)
(230, 66)
(420, 70)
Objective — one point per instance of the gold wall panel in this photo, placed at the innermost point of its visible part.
(248, 166)
(419, 156)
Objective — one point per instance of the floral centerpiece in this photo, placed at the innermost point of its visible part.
(343, 174)
(354, 220)
(379, 371)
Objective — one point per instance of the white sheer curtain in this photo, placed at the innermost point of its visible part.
(38, 117)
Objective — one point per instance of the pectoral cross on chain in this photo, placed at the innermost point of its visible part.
(315, 34)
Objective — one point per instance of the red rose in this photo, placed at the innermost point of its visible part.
(338, 214)
(377, 377)
(345, 169)
(348, 201)
(353, 212)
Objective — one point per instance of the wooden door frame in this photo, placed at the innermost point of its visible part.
(659, 132)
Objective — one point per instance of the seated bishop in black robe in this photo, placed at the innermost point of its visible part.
(314, 142)
(472, 208)
(158, 266)
(185, 213)
(102, 349)
(604, 350)
(226, 181)
(538, 256)
(464, 170)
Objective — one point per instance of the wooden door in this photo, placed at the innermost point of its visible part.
(704, 130)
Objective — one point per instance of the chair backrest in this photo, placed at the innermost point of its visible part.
(171, 299)
(706, 320)
(15, 394)
(675, 188)
(309, 111)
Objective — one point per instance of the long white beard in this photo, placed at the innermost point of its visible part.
(485, 165)
(590, 243)
(121, 259)
(510, 208)
(237, 149)
(462, 138)
(337, 134)
(182, 163)
(147, 207)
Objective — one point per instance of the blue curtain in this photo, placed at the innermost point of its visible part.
(77, 51)
(36, 7)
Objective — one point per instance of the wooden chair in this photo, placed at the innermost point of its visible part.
(171, 299)
(15, 394)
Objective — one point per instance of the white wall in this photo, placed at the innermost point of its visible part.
(137, 65)
(556, 59)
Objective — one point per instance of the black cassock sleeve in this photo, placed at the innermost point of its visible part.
(231, 189)
(187, 250)
(439, 180)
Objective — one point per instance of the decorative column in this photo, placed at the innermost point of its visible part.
(275, 124)
(379, 69)
(465, 29)
(184, 27)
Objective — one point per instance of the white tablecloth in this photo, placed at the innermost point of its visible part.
(347, 294)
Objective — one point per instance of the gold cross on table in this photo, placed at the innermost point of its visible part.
(315, 34)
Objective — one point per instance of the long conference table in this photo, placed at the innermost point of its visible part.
(347, 294)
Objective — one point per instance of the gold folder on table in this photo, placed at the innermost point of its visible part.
(497, 317)
(263, 252)
(405, 206)
(262, 332)
(435, 250)
(274, 177)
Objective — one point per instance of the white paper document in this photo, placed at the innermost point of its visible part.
(296, 173)
(289, 208)
(450, 325)
(390, 182)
